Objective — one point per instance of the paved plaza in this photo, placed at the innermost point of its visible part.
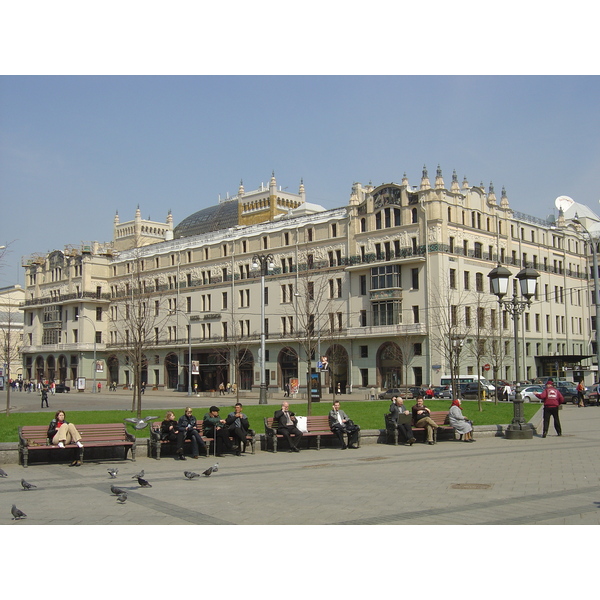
(552, 481)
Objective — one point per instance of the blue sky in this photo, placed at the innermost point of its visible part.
(76, 149)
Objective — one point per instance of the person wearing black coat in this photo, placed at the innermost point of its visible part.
(238, 425)
(287, 426)
(187, 424)
(169, 430)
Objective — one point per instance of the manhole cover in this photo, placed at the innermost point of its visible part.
(374, 458)
(471, 486)
(316, 466)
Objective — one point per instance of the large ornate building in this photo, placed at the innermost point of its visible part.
(392, 288)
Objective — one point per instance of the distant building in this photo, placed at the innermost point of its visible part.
(391, 288)
(11, 331)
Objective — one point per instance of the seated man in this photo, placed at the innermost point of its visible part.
(214, 427)
(421, 418)
(340, 423)
(400, 415)
(287, 426)
(238, 426)
(187, 423)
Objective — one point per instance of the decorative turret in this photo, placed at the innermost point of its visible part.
(301, 190)
(560, 222)
(138, 213)
(491, 195)
(504, 199)
(273, 185)
(454, 186)
(117, 218)
(241, 190)
(425, 185)
(404, 181)
(465, 183)
(439, 180)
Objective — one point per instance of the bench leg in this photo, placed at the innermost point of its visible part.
(25, 455)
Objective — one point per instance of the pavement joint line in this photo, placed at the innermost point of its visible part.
(469, 508)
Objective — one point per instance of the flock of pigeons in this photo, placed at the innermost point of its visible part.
(18, 514)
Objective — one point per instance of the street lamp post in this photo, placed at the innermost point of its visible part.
(519, 429)
(596, 299)
(94, 365)
(189, 348)
(265, 263)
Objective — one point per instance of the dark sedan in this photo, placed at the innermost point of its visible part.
(61, 387)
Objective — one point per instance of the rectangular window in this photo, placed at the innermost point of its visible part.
(364, 351)
(415, 278)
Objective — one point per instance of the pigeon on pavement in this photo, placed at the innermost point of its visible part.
(113, 472)
(3, 473)
(122, 498)
(17, 513)
(190, 474)
(210, 470)
(27, 486)
(140, 423)
(143, 482)
(140, 474)
(117, 491)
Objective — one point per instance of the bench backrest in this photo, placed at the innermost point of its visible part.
(313, 423)
(439, 417)
(199, 427)
(37, 434)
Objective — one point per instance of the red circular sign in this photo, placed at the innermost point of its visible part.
(486, 367)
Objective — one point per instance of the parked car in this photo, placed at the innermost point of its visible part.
(389, 394)
(592, 394)
(528, 393)
(417, 392)
(569, 391)
(61, 387)
(442, 391)
(473, 389)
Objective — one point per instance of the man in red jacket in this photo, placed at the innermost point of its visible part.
(552, 399)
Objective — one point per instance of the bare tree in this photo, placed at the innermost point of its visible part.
(10, 343)
(315, 298)
(141, 319)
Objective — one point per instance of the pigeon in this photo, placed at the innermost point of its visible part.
(113, 472)
(140, 423)
(27, 486)
(140, 474)
(211, 470)
(3, 473)
(117, 491)
(190, 474)
(17, 513)
(122, 497)
(143, 482)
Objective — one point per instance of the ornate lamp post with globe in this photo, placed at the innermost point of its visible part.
(518, 429)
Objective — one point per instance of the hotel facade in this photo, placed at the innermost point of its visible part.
(392, 289)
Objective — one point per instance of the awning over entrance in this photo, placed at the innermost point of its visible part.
(563, 358)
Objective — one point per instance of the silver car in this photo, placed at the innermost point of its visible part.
(528, 393)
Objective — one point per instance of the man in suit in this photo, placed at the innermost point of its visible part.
(286, 426)
(338, 423)
(405, 431)
(238, 426)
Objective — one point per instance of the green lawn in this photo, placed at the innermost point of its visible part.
(369, 415)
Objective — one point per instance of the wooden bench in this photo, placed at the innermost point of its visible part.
(33, 438)
(318, 427)
(439, 417)
(155, 443)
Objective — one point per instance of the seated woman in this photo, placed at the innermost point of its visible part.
(169, 430)
(459, 422)
(61, 433)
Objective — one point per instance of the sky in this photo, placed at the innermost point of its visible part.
(74, 150)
